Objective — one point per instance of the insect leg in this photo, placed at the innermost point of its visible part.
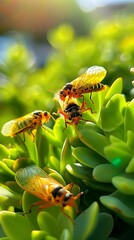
(83, 103)
(43, 127)
(65, 126)
(70, 185)
(62, 209)
(32, 134)
(23, 136)
(91, 97)
(42, 205)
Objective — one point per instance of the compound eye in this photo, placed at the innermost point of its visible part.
(45, 113)
(62, 93)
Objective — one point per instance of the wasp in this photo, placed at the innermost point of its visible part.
(86, 83)
(27, 122)
(37, 182)
(72, 112)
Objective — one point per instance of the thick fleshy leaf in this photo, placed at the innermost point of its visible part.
(87, 157)
(105, 172)
(124, 184)
(86, 222)
(50, 238)
(91, 139)
(15, 231)
(8, 197)
(6, 170)
(66, 158)
(61, 131)
(120, 203)
(130, 140)
(8, 162)
(66, 235)
(39, 234)
(79, 171)
(117, 155)
(32, 149)
(130, 166)
(65, 223)
(104, 227)
(129, 117)
(112, 114)
(43, 150)
(4, 152)
(49, 134)
(115, 88)
(44, 219)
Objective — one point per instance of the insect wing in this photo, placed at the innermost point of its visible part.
(10, 128)
(92, 76)
(35, 181)
(15, 126)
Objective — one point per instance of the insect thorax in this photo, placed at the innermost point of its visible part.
(72, 107)
(61, 195)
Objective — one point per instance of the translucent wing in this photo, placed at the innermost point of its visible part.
(19, 124)
(34, 180)
(92, 76)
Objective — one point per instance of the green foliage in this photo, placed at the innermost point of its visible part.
(97, 154)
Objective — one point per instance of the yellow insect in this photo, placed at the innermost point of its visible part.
(72, 112)
(37, 182)
(27, 122)
(86, 83)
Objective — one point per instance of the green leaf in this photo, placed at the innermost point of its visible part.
(61, 132)
(4, 152)
(117, 155)
(79, 171)
(103, 228)
(129, 117)
(50, 238)
(115, 88)
(32, 149)
(130, 140)
(109, 169)
(15, 231)
(124, 184)
(114, 107)
(8, 197)
(93, 140)
(66, 158)
(6, 170)
(120, 203)
(39, 235)
(44, 219)
(49, 134)
(130, 166)
(86, 222)
(43, 150)
(65, 223)
(66, 235)
(87, 157)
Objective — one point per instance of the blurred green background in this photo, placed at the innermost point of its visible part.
(44, 44)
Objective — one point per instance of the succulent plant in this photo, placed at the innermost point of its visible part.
(97, 155)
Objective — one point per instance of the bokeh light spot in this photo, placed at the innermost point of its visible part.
(116, 161)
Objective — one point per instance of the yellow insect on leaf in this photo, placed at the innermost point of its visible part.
(27, 122)
(72, 112)
(37, 182)
(86, 83)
